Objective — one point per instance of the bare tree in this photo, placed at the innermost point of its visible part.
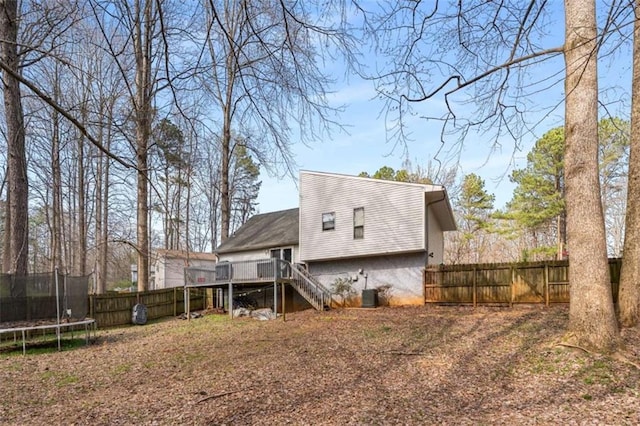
(16, 253)
(485, 54)
(264, 72)
(629, 292)
(592, 317)
(137, 21)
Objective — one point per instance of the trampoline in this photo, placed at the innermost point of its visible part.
(44, 302)
(89, 326)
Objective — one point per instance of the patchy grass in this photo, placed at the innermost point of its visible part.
(418, 365)
(41, 345)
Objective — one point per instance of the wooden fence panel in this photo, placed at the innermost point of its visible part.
(534, 282)
(558, 282)
(115, 309)
(615, 265)
(529, 284)
(493, 285)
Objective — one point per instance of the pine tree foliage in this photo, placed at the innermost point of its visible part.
(406, 174)
(475, 203)
(473, 209)
(537, 211)
(244, 186)
(537, 207)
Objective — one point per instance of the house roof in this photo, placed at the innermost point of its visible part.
(426, 186)
(183, 254)
(438, 201)
(265, 230)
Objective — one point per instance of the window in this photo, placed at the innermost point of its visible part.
(358, 223)
(328, 221)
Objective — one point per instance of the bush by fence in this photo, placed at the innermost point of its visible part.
(115, 309)
(505, 283)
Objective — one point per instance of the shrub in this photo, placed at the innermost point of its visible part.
(343, 287)
(384, 294)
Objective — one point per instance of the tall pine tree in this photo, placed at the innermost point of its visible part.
(537, 207)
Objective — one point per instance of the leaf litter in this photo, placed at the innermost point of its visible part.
(400, 365)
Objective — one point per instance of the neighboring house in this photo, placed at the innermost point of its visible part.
(373, 232)
(168, 266)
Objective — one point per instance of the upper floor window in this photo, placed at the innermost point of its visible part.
(358, 223)
(328, 221)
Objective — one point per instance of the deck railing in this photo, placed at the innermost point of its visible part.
(251, 271)
(262, 271)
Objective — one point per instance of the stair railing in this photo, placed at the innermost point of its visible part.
(308, 286)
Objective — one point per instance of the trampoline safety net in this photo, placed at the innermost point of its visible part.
(34, 297)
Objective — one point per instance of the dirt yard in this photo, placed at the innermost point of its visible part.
(423, 365)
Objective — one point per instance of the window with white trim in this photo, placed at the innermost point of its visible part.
(328, 221)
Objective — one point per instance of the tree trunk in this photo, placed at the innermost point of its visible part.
(56, 229)
(167, 212)
(99, 280)
(592, 322)
(142, 38)
(17, 160)
(225, 196)
(227, 103)
(6, 237)
(102, 206)
(81, 246)
(629, 293)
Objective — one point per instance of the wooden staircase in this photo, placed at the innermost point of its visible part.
(310, 288)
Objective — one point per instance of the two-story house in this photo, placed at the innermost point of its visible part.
(372, 232)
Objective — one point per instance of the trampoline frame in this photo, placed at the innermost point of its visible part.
(89, 326)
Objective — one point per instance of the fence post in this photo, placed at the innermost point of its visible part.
(475, 287)
(424, 286)
(546, 284)
(91, 305)
(513, 285)
(284, 315)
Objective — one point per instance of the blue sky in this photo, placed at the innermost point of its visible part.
(366, 147)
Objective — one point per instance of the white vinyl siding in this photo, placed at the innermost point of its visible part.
(395, 219)
(256, 255)
(169, 271)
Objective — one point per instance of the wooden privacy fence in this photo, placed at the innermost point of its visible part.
(505, 283)
(116, 309)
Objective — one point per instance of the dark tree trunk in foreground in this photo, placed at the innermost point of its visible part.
(142, 39)
(629, 293)
(17, 208)
(592, 318)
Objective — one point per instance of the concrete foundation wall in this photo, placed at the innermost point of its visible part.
(402, 272)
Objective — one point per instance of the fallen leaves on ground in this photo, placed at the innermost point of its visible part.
(406, 365)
